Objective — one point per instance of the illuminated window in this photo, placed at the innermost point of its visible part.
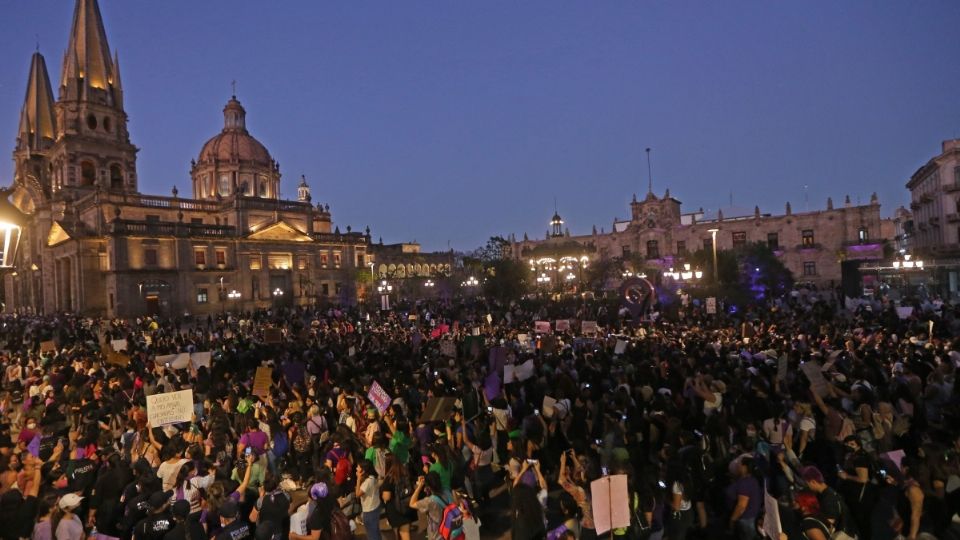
(221, 257)
(88, 173)
(224, 187)
(807, 238)
(104, 262)
(201, 296)
(336, 260)
(199, 256)
(301, 263)
(279, 261)
(254, 262)
(626, 251)
(862, 235)
(323, 260)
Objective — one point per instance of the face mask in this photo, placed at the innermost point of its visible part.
(31, 426)
(61, 483)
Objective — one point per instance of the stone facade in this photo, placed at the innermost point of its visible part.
(94, 244)
(812, 245)
(935, 202)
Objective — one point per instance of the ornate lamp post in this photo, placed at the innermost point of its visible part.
(384, 289)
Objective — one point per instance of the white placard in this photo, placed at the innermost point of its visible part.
(711, 306)
(200, 359)
(170, 408)
(611, 503)
(621, 347)
(118, 345)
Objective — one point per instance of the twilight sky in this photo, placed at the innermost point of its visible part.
(453, 121)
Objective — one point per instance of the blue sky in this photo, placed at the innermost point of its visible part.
(452, 121)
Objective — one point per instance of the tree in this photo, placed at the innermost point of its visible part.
(745, 275)
(505, 279)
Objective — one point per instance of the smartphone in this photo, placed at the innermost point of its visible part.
(531, 461)
(248, 451)
(623, 417)
(586, 385)
(536, 412)
(489, 409)
(598, 441)
(167, 365)
(662, 484)
(604, 471)
(883, 473)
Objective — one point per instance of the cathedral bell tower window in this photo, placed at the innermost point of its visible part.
(88, 173)
(91, 121)
(116, 177)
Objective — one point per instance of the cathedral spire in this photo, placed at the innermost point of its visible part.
(37, 118)
(88, 54)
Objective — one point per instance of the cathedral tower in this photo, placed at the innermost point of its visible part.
(35, 136)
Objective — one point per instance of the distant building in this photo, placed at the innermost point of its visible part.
(95, 244)
(406, 261)
(811, 244)
(935, 203)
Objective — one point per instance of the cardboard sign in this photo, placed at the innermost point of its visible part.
(517, 373)
(118, 344)
(588, 328)
(379, 397)
(489, 319)
(118, 358)
(610, 502)
(170, 408)
(547, 409)
(621, 347)
(49, 346)
(541, 327)
(198, 359)
(272, 335)
(262, 381)
(711, 306)
(173, 361)
(562, 325)
(438, 409)
(771, 516)
(815, 376)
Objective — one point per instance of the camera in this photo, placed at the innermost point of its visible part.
(662, 484)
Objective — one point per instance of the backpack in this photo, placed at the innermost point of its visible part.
(302, 441)
(451, 524)
(342, 471)
(280, 443)
(339, 526)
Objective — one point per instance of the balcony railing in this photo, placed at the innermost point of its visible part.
(144, 228)
(953, 218)
(950, 188)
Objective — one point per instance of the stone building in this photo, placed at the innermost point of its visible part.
(935, 202)
(811, 244)
(95, 244)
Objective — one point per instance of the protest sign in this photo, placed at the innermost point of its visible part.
(509, 374)
(588, 328)
(548, 344)
(524, 340)
(118, 344)
(782, 365)
(541, 327)
(711, 306)
(496, 358)
(448, 348)
(272, 335)
(170, 408)
(904, 312)
(491, 385)
(379, 397)
(621, 347)
(198, 359)
(298, 519)
(771, 516)
(815, 376)
(475, 331)
(489, 319)
(352, 351)
(49, 346)
(521, 372)
(611, 503)
(438, 409)
(547, 409)
(118, 358)
(262, 381)
(896, 456)
(562, 325)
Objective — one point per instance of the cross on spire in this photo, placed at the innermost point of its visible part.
(233, 85)
(649, 174)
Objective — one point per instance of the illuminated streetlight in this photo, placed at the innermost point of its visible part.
(713, 242)
(278, 292)
(429, 283)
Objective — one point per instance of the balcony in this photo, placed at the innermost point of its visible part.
(953, 218)
(256, 203)
(951, 187)
(915, 205)
(185, 230)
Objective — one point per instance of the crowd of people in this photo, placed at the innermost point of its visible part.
(796, 419)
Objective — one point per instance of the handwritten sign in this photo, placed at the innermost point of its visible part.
(170, 408)
(199, 359)
(262, 381)
(611, 503)
(118, 344)
(562, 325)
(48, 346)
(771, 516)
(379, 397)
(588, 328)
(541, 327)
(118, 358)
(711, 306)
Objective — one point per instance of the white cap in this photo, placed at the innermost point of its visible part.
(70, 501)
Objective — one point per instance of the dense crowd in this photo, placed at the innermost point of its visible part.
(717, 421)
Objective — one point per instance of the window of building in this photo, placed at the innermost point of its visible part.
(152, 218)
(263, 188)
(224, 186)
(773, 241)
(88, 173)
(862, 235)
(116, 177)
(150, 257)
(360, 260)
(336, 260)
(956, 175)
(708, 243)
(279, 261)
(199, 256)
(104, 262)
(196, 221)
(336, 288)
(255, 289)
(301, 263)
(325, 289)
(323, 260)
(653, 249)
(626, 252)
(202, 296)
(739, 239)
(809, 268)
(221, 257)
(681, 247)
(255, 262)
(807, 238)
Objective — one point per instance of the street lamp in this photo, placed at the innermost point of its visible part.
(713, 244)
(11, 222)
(471, 282)
(908, 263)
(429, 283)
(278, 292)
(384, 289)
(235, 294)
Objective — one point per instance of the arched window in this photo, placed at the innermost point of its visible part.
(88, 173)
(263, 186)
(224, 187)
(382, 270)
(653, 249)
(116, 177)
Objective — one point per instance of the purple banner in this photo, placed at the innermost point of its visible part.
(379, 397)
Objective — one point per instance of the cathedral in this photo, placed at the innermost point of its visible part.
(93, 243)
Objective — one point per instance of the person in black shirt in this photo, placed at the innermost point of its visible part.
(273, 505)
(234, 528)
(158, 523)
(137, 506)
(185, 528)
(105, 509)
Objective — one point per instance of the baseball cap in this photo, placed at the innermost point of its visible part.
(180, 509)
(160, 498)
(70, 501)
(229, 509)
